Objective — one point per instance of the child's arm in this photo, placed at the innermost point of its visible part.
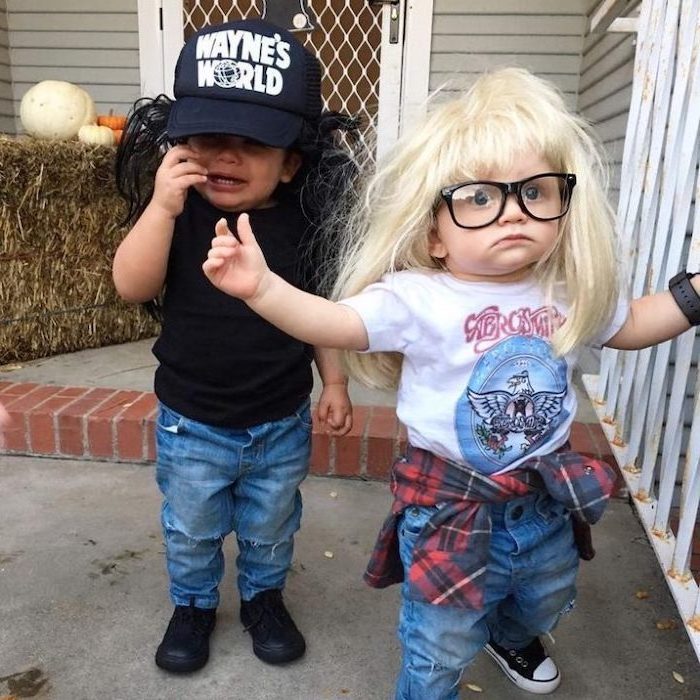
(239, 269)
(334, 406)
(651, 320)
(141, 261)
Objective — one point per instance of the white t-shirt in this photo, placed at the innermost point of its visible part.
(479, 381)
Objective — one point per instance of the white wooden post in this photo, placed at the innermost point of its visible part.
(416, 61)
(390, 80)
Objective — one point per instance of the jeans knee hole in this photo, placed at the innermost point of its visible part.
(194, 542)
(258, 544)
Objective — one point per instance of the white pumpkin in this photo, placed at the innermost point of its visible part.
(96, 135)
(55, 109)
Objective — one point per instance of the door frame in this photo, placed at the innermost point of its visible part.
(404, 70)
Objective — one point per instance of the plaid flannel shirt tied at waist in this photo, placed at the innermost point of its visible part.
(450, 554)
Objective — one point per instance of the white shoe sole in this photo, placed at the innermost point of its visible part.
(535, 687)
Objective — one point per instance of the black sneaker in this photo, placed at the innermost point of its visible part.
(276, 638)
(529, 668)
(185, 645)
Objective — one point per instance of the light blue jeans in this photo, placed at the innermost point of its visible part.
(530, 582)
(218, 480)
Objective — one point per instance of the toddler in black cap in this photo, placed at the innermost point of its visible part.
(245, 133)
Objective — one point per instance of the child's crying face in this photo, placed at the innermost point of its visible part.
(241, 174)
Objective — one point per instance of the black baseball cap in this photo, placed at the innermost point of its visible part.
(247, 78)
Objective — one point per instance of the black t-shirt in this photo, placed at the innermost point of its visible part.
(221, 363)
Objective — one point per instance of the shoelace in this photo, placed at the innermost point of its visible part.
(191, 617)
(268, 605)
(519, 656)
(518, 659)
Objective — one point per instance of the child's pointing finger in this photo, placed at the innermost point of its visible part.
(221, 228)
(245, 232)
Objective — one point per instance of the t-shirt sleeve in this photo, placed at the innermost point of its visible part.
(386, 316)
(615, 324)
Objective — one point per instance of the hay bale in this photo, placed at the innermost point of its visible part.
(60, 219)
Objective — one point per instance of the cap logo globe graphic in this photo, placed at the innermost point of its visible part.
(226, 73)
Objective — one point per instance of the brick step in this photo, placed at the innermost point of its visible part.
(118, 426)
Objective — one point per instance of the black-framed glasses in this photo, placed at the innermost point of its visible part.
(477, 204)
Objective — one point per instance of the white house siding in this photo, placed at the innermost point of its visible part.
(6, 108)
(607, 69)
(470, 36)
(92, 44)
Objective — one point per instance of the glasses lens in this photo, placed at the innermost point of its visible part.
(476, 204)
(545, 197)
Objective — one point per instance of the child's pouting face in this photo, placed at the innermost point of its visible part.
(241, 174)
(505, 250)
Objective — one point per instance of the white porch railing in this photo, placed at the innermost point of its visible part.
(660, 235)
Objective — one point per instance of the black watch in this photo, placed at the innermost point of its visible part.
(685, 295)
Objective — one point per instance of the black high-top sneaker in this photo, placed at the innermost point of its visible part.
(276, 639)
(185, 645)
(530, 668)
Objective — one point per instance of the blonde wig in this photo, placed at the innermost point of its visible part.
(504, 114)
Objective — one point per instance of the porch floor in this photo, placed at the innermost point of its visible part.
(84, 601)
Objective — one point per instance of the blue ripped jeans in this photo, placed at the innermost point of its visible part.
(218, 480)
(530, 582)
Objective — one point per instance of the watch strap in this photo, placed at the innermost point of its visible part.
(685, 295)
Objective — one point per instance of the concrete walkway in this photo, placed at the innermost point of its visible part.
(83, 593)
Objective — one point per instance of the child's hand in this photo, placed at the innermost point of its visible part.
(237, 268)
(335, 409)
(177, 172)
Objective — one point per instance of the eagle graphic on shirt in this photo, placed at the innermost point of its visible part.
(520, 409)
(512, 404)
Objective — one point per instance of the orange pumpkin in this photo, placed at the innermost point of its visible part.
(113, 121)
(117, 135)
